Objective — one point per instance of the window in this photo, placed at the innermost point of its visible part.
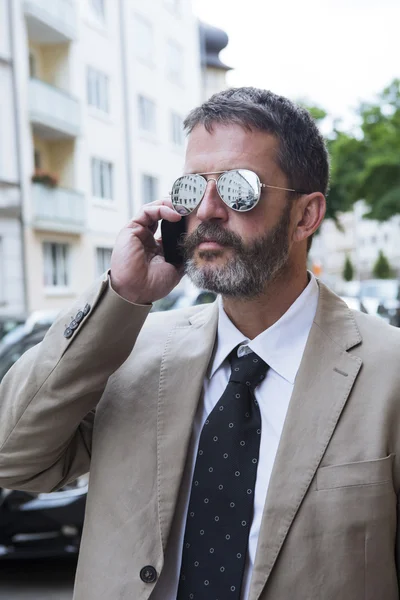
(149, 188)
(173, 5)
(37, 159)
(99, 8)
(102, 179)
(147, 114)
(56, 264)
(97, 89)
(174, 62)
(144, 39)
(177, 129)
(32, 65)
(103, 260)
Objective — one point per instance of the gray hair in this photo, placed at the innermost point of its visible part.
(302, 156)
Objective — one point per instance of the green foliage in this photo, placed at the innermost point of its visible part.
(348, 269)
(367, 164)
(382, 268)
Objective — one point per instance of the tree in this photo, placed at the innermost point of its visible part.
(336, 202)
(382, 268)
(348, 269)
(365, 163)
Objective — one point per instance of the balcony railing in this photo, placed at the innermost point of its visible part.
(51, 21)
(57, 209)
(53, 113)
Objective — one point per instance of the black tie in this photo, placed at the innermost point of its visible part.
(222, 495)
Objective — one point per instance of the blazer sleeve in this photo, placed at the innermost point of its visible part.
(48, 398)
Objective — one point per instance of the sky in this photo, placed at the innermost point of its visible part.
(332, 53)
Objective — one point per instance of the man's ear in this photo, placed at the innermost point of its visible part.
(309, 211)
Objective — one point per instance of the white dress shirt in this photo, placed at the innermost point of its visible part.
(281, 346)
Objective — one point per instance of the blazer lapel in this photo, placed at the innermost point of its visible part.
(185, 360)
(323, 384)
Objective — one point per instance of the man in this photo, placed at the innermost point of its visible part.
(247, 450)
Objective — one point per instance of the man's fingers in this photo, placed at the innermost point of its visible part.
(152, 214)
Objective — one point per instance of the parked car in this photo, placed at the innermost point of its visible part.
(38, 525)
(8, 323)
(181, 299)
(382, 297)
(354, 303)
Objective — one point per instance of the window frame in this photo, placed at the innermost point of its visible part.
(98, 8)
(60, 267)
(153, 187)
(147, 114)
(102, 179)
(175, 73)
(98, 89)
(100, 258)
(177, 131)
(141, 23)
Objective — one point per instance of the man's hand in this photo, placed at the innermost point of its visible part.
(139, 272)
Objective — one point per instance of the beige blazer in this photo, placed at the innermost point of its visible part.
(90, 401)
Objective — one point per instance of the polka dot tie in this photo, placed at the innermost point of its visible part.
(222, 495)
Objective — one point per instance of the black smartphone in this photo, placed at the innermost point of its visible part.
(171, 234)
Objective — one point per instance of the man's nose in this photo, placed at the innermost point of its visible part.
(211, 206)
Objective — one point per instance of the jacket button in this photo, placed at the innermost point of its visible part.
(68, 332)
(74, 324)
(79, 316)
(148, 574)
(86, 310)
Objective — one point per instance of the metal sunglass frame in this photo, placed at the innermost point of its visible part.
(220, 173)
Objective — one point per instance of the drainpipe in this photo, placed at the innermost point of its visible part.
(17, 124)
(127, 111)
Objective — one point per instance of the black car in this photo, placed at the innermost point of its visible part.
(38, 525)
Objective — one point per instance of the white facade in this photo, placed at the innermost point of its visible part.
(11, 241)
(361, 240)
(102, 89)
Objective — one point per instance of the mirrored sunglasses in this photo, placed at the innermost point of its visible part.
(240, 189)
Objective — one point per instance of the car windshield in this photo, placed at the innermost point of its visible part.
(381, 289)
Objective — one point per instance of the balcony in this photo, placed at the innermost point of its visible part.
(57, 209)
(51, 21)
(54, 114)
(10, 199)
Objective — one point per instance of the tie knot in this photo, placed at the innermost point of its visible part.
(249, 369)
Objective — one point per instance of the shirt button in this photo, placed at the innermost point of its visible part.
(148, 574)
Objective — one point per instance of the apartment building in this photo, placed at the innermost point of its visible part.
(360, 239)
(212, 41)
(12, 299)
(94, 93)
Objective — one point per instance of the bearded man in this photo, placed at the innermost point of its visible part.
(246, 450)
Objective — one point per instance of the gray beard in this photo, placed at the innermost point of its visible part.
(252, 267)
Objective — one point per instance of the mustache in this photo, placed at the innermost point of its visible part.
(210, 231)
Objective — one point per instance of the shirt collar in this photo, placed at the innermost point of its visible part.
(282, 345)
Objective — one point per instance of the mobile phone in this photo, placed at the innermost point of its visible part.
(171, 234)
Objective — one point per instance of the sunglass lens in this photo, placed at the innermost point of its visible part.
(187, 193)
(239, 189)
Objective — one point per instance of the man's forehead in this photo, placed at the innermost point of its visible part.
(206, 153)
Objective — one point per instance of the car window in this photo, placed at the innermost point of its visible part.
(15, 351)
(381, 289)
(205, 298)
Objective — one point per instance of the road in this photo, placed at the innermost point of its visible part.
(37, 580)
